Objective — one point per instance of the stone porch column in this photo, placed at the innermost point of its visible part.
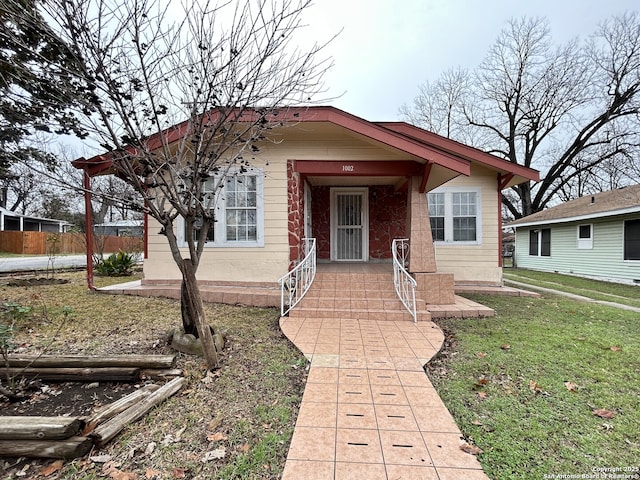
(433, 287)
(422, 257)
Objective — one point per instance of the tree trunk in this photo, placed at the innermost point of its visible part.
(188, 316)
(193, 308)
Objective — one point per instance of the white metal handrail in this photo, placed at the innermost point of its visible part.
(295, 284)
(405, 284)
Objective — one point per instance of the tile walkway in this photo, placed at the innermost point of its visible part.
(369, 410)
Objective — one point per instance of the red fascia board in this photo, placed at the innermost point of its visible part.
(461, 149)
(355, 168)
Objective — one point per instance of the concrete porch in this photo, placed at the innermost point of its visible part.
(337, 286)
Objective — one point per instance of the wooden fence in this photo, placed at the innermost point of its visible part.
(46, 243)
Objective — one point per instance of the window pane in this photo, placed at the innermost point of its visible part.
(464, 229)
(545, 243)
(437, 228)
(464, 203)
(250, 182)
(584, 231)
(436, 215)
(533, 242)
(632, 240)
(436, 204)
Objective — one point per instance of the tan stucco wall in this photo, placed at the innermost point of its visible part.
(475, 263)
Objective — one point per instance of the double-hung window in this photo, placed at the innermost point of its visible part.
(540, 242)
(238, 210)
(454, 214)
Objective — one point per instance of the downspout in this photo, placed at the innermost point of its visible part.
(88, 228)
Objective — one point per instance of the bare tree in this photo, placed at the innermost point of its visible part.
(183, 99)
(19, 185)
(570, 111)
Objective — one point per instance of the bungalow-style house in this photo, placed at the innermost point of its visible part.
(595, 236)
(354, 186)
(17, 222)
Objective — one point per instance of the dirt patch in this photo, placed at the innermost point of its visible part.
(66, 399)
(437, 366)
(32, 282)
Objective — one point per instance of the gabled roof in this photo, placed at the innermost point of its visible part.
(514, 174)
(614, 202)
(414, 141)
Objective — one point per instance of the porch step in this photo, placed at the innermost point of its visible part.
(355, 295)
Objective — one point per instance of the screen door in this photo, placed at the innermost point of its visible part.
(349, 226)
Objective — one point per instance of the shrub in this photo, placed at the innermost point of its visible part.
(10, 313)
(119, 264)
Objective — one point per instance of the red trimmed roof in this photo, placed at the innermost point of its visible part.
(402, 136)
(505, 167)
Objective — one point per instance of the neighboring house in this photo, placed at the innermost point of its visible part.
(354, 185)
(17, 222)
(595, 236)
(120, 228)
(508, 244)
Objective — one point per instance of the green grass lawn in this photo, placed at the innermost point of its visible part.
(505, 381)
(598, 290)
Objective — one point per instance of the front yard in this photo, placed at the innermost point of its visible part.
(549, 386)
(245, 411)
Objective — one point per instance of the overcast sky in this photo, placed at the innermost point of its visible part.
(388, 47)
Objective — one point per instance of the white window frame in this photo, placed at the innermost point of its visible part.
(220, 225)
(587, 242)
(448, 215)
(538, 232)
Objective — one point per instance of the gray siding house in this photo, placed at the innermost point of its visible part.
(17, 222)
(595, 236)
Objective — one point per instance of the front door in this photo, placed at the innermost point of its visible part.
(349, 224)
